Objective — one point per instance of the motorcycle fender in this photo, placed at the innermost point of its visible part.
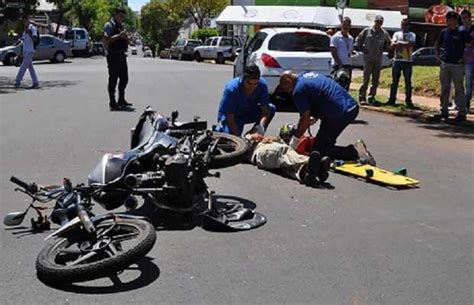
(64, 229)
(109, 216)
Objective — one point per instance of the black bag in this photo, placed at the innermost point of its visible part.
(36, 41)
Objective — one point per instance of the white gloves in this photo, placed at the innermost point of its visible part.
(294, 142)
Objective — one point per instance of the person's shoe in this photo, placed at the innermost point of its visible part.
(312, 169)
(390, 103)
(371, 100)
(439, 117)
(459, 118)
(34, 86)
(324, 166)
(365, 156)
(410, 105)
(124, 103)
(113, 106)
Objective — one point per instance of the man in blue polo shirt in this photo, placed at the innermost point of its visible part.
(319, 97)
(449, 51)
(245, 101)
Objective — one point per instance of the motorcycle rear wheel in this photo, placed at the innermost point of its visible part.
(230, 150)
(53, 264)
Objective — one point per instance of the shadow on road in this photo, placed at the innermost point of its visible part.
(149, 272)
(7, 85)
(447, 130)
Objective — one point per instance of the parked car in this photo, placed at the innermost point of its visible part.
(98, 48)
(184, 49)
(165, 53)
(218, 49)
(275, 50)
(49, 48)
(80, 41)
(147, 52)
(425, 57)
(133, 50)
(358, 60)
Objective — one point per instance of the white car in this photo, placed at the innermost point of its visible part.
(219, 49)
(133, 50)
(275, 50)
(358, 60)
(80, 41)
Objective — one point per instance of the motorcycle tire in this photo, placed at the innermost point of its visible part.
(49, 271)
(232, 155)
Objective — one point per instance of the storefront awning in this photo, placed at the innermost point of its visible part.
(319, 16)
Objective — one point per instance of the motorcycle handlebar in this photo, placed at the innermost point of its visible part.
(19, 182)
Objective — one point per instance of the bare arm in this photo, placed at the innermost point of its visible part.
(335, 56)
(234, 129)
(303, 124)
(121, 35)
(266, 115)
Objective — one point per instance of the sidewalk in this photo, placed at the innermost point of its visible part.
(428, 106)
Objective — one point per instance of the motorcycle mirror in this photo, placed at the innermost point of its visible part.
(14, 218)
(174, 115)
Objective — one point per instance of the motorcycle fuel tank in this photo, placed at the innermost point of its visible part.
(110, 168)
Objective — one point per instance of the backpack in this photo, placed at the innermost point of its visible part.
(36, 41)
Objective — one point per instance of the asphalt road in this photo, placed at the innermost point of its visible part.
(355, 244)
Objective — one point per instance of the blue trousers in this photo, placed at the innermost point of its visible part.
(252, 117)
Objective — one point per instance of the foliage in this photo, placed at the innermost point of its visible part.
(198, 10)
(158, 25)
(205, 33)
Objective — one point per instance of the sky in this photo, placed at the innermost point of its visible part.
(136, 4)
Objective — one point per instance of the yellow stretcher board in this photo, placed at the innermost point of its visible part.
(375, 174)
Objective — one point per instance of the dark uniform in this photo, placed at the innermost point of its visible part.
(116, 62)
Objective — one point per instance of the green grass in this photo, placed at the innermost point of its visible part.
(425, 81)
(380, 101)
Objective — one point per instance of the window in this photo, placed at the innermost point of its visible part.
(226, 42)
(69, 35)
(180, 42)
(299, 42)
(214, 42)
(80, 35)
(193, 43)
(45, 41)
(256, 42)
(208, 42)
(236, 43)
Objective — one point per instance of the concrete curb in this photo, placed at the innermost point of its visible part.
(420, 115)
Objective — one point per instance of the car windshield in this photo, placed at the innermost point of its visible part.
(299, 42)
(193, 43)
(70, 35)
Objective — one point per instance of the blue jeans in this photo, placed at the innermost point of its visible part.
(252, 117)
(397, 69)
(468, 79)
(329, 131)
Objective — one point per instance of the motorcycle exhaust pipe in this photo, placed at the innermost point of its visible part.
(131, 203)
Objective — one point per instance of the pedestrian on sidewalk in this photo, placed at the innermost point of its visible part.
(342, 46)
(30, 35)
(372, 41)
(403, 43)
(468, 57)
(116, 40)
(449, 52)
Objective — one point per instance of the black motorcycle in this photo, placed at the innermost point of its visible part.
(166, 166)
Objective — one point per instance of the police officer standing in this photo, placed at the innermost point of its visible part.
(116, 39)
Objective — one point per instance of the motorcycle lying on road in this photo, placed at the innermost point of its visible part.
(166, 166)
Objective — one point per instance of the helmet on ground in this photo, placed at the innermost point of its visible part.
(286, 132)
(343, 78)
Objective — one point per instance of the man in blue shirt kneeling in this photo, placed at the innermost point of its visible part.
(245, 101)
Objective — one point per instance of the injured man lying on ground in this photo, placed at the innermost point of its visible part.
(274, 153)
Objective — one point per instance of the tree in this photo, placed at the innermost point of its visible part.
(198, 10)
(157, 25)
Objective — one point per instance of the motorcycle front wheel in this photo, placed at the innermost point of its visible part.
(119, 242)
(230, 150)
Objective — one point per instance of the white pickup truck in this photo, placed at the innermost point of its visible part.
(217, 48)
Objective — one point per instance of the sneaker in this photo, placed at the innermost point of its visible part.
(325, 165)
(410, 105)
(390, 103)
(459, 118)
(113, 106)
(371, 100)
(365, 156)
(17, 85)
(312, 169)
(34, 86)
(439, 117)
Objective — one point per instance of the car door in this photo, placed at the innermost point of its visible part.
(212, 51)
(250, 45)
(45, 48)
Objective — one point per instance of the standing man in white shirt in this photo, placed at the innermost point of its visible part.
(30, 34)
(403, 43)
(342, 46)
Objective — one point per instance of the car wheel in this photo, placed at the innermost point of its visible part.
(8, 61)
(59, 57)
(198, 57)
(220, 59)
